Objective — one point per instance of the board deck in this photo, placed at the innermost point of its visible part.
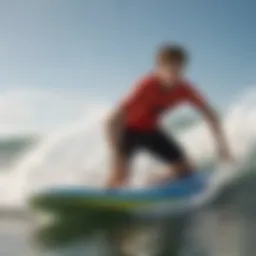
(122, 199)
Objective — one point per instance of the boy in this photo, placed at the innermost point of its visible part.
(134, 123)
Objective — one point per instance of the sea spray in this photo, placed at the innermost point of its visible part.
(78, 153)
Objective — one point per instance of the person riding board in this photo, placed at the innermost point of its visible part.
(134, 123)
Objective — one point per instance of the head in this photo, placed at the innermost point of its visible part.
(171, 61)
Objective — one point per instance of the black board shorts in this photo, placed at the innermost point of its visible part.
(157, 143)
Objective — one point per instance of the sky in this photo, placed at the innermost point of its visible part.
(96, 49)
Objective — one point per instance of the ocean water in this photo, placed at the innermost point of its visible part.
(76, 153)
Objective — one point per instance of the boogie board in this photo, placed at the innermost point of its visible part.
(176, 192)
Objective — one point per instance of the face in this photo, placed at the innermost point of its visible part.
(171, 72)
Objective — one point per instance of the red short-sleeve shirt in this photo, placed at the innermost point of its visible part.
(149, 99)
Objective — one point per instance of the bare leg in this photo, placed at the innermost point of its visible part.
(119, 171)
(175, 170)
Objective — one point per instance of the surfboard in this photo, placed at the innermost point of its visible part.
(176, 192)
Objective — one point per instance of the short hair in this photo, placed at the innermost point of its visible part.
(170, 53)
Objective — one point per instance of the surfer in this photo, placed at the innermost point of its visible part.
(134, 124)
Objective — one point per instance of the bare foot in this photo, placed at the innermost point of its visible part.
(115, 184)
(156, 181)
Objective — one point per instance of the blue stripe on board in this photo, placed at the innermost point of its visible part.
(175, 189)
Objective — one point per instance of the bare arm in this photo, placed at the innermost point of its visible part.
(213, 122)
(116, 119)
(215, 126)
